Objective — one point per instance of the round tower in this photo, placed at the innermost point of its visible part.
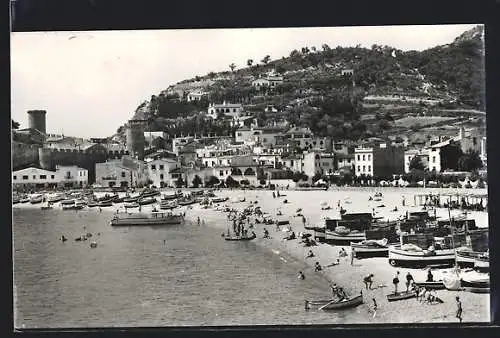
(37, 120)
(135, 138)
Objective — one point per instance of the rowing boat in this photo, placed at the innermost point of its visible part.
(438, 285)
(343, 304)
(240, 238)
(401, 295)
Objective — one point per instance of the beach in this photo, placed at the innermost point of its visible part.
(350, 277)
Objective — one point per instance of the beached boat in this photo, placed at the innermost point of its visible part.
(482, 263)
(16, 200)
(164, 205)
(219, 199)
(466, 257)
(67, 202)
(149, 193)
(370, 248)
(474, 279)
(146, 200)
(186, 201)
(46, 206)
(477, 290)
(24, 199)
(93, 204)
(343, 304)
(412, 255)
(56, 198)
(131, 199)
(438, 285)
(240, 238)
(155, 218)
(401, 295)
(168, 197)
(344, 235)
(131, 205)
(104, 204)
(36, 199)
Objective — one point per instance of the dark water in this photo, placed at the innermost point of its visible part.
(133, 278)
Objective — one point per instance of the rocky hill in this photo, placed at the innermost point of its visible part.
(314, 93)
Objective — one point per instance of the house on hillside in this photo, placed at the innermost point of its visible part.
(227, 109)
(271, 80)
(159, 171)
(196, 96)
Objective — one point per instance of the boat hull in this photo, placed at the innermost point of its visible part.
(239, 238)
(366, 251)
(350, 303)
(431, 285)
(401, 296)
(336, 238)
(161, 221)
(399, 257)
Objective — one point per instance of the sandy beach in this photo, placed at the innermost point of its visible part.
(350, 277)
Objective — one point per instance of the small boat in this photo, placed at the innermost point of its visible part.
(155, 218)
(16, 200)
(168, 197)
(104, 204)
(24, 200)
(93, 204)
(164, 205)
(438, 285)
(475, 279)
(93, 245)
(412, 255)
(466, 257)
(67, 202)
(477, 290)
(46, 206)
(146, 200)
(219, 199)
(130, 199)
(401, 295)
(149, 193)
(343, 304)
(482, 262)
(35, 199)
(186, 201)
(56, 198)
(240, 238)
(371, 248)
(344, 235)
(131, 205)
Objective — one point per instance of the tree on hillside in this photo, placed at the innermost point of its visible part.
(249, 62)
(232, 66)
(416, 164)
(266, 59)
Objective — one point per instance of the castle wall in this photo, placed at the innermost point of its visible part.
(37, 120)
(135, 140)
(24, 155)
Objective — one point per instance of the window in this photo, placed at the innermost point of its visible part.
(25, 177)
(153, 167)
(433, 159)
(227, 110)
(123, 174)
(161, 176)
(359, 168)
(234, 110)
(34, 177)
(15, 177)
(364, 168)
(321, 142)
(52, 176)
(221, 173)
(238, 134)
(359, 158)
(433, 168)
(43, 177)
(369, 157)
(162, 166)
(363, 157)
(370, 168)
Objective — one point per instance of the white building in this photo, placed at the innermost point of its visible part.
(363, 158)
(422, 153)
(228, 109)
(159, 171)
(196, 96)
(63, 176)
(180, 142)
(271, 81)
(125, 172)
(317, 163)
(305, 139)
(378, 160)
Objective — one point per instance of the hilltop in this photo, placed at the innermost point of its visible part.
(386, 84)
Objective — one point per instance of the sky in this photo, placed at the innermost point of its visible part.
(90, 83)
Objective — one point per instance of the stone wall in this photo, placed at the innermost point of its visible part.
(24, 155)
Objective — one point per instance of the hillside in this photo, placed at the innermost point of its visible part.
(386, 84)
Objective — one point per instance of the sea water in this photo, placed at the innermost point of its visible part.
(183, 275)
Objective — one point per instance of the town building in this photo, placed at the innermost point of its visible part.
(423, 154)
(305, 139)
(196, 96)
(344, 161)
(379, 160)
(226, 109)
(318, 163)
(159, 172)
(124, 172)
(63, 176)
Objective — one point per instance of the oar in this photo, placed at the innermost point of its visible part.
(332, 302)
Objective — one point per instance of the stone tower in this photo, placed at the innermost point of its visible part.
(37, 120)
(135, 137)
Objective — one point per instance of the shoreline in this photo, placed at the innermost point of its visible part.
(476, 306)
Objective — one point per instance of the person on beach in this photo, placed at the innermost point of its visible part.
(317, 267)
(198, 221)
(368, 281)
(303, 221)
(353, 254)
(310, 254)
(301, 276)
(274, 195)
(266, 233)
(100, 210)
(403, 202)
(375, 306)
(395, 281)
(409, 281)
(430, 277)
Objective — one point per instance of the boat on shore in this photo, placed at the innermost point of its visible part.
(165, 205)
(342, 235)
(219, 199)
(343, 304)
(169, 197)
(131, 205)
(401, 296)
(149, 193)
(186, 201)
(437, 285)
(104, 204)
(16, 199)
(370, 248)
(36, 199)
(131, 199)
(55, 198)
(412, 255)
(141, 219)
(240, 238)
(466, 257)
(474, 279)
(146, 200)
